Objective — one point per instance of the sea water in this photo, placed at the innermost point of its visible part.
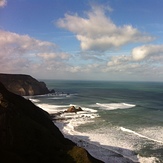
(118, 118)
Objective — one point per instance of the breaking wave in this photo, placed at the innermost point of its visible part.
(140, 135)
(114, 106)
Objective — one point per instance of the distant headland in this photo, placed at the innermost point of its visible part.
(23, 84)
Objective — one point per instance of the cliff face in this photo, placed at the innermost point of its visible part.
(24, 85)
(28, 135)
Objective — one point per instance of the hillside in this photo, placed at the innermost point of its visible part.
(28, 135)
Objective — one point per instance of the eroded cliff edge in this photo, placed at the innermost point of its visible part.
(27, 134)
(23, 85)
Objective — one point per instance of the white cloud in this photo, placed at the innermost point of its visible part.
(147, 51)
(3, 3)
(144, 63)
(151, 54)
(98, 32)
(20, 44)
(49, 56)
(119, 60)
(22, 53)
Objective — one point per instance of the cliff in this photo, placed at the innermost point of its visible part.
(28, 135)
(23, 85)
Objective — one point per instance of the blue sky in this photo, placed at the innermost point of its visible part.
(82, 40)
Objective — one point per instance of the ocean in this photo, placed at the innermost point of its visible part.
(118, 118)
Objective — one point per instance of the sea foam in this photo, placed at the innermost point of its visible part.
(51, 109)
(140, 135)
(102, 145)
(114, 106)
(34, 100)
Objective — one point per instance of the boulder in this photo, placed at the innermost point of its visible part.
(72, 109)
(23, 85)
(79, 109)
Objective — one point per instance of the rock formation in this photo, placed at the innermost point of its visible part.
(28, 135)
(72, 109)
(23, 85)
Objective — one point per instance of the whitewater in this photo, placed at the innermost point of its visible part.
(120, 122)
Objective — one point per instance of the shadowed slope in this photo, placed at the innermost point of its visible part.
(27, 134)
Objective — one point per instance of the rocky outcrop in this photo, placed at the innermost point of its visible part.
(72, 109)
(28, 135)
(23, 85)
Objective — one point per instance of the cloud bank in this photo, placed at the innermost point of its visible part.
(143, 62)
(22, 53)
(96, 31)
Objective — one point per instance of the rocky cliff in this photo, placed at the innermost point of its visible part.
(24, 85)
(27, 134)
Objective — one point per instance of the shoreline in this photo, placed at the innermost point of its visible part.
(67, 122)
(99, 151)
(96, 150)
(102, 152)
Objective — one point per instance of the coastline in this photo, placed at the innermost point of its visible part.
(113, 131)
(28, 134)
(101, 126)
(101, 152)
(107, 153)
(95, 149)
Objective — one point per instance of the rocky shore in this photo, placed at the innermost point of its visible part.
(23, 85)
(27, 134)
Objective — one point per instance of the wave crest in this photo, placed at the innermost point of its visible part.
(114, 106)
(140, 135)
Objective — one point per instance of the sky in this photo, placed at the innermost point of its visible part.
(115, 40)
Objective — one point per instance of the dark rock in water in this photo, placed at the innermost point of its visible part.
(52, 91)
(79, 109)
(27, 134)
(73, 109)
(23, 85)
